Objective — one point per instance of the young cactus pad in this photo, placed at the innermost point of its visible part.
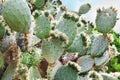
(42, 28)
(105, 19)
(17, 15)
(84, 8)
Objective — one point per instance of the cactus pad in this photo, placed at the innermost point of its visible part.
(105, 19)
(84, 8)
(99, 61)
(52, 49)
(86, 63)
(67, 72)
(42, 28)
(78, 45)
(68, 27)
(39, 4)
(34, 73)
(17, 15)
(99, 45)
(2, 32)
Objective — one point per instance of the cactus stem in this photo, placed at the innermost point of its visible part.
(26, 41)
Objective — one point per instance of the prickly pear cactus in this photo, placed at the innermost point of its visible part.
(68, 26)
(52, 49)
(17, 15)
(79, 45)
(34, 73)
(43, 40)
(70, 70)
(84, 8)
(39, 4)
(105, 19)
(86, 63)
(99, 45)
(42, 29)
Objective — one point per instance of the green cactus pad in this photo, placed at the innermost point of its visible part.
(99, 45)
(10, 71)
(105, 20)
(42, 28)
(78, 45)
(39, 4)
(86, 63)
(2, 32)
(34, 73)
(17, 15)
(52, 49)
(68, 27)
(99, 61)
(84, 8)
(67, 72)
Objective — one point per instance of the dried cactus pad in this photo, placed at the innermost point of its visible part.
(52, 49)
(17, 15)
(105, 19)
(42, 28)
(99, 45)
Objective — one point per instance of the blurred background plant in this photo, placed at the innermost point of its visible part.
(114, 64)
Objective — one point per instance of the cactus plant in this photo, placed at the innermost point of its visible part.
(42, 29)
(64, 46)
(20, 14)
(52, 49)
(70, 70)
(105, 19)
(99, 45)
(84, 8)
